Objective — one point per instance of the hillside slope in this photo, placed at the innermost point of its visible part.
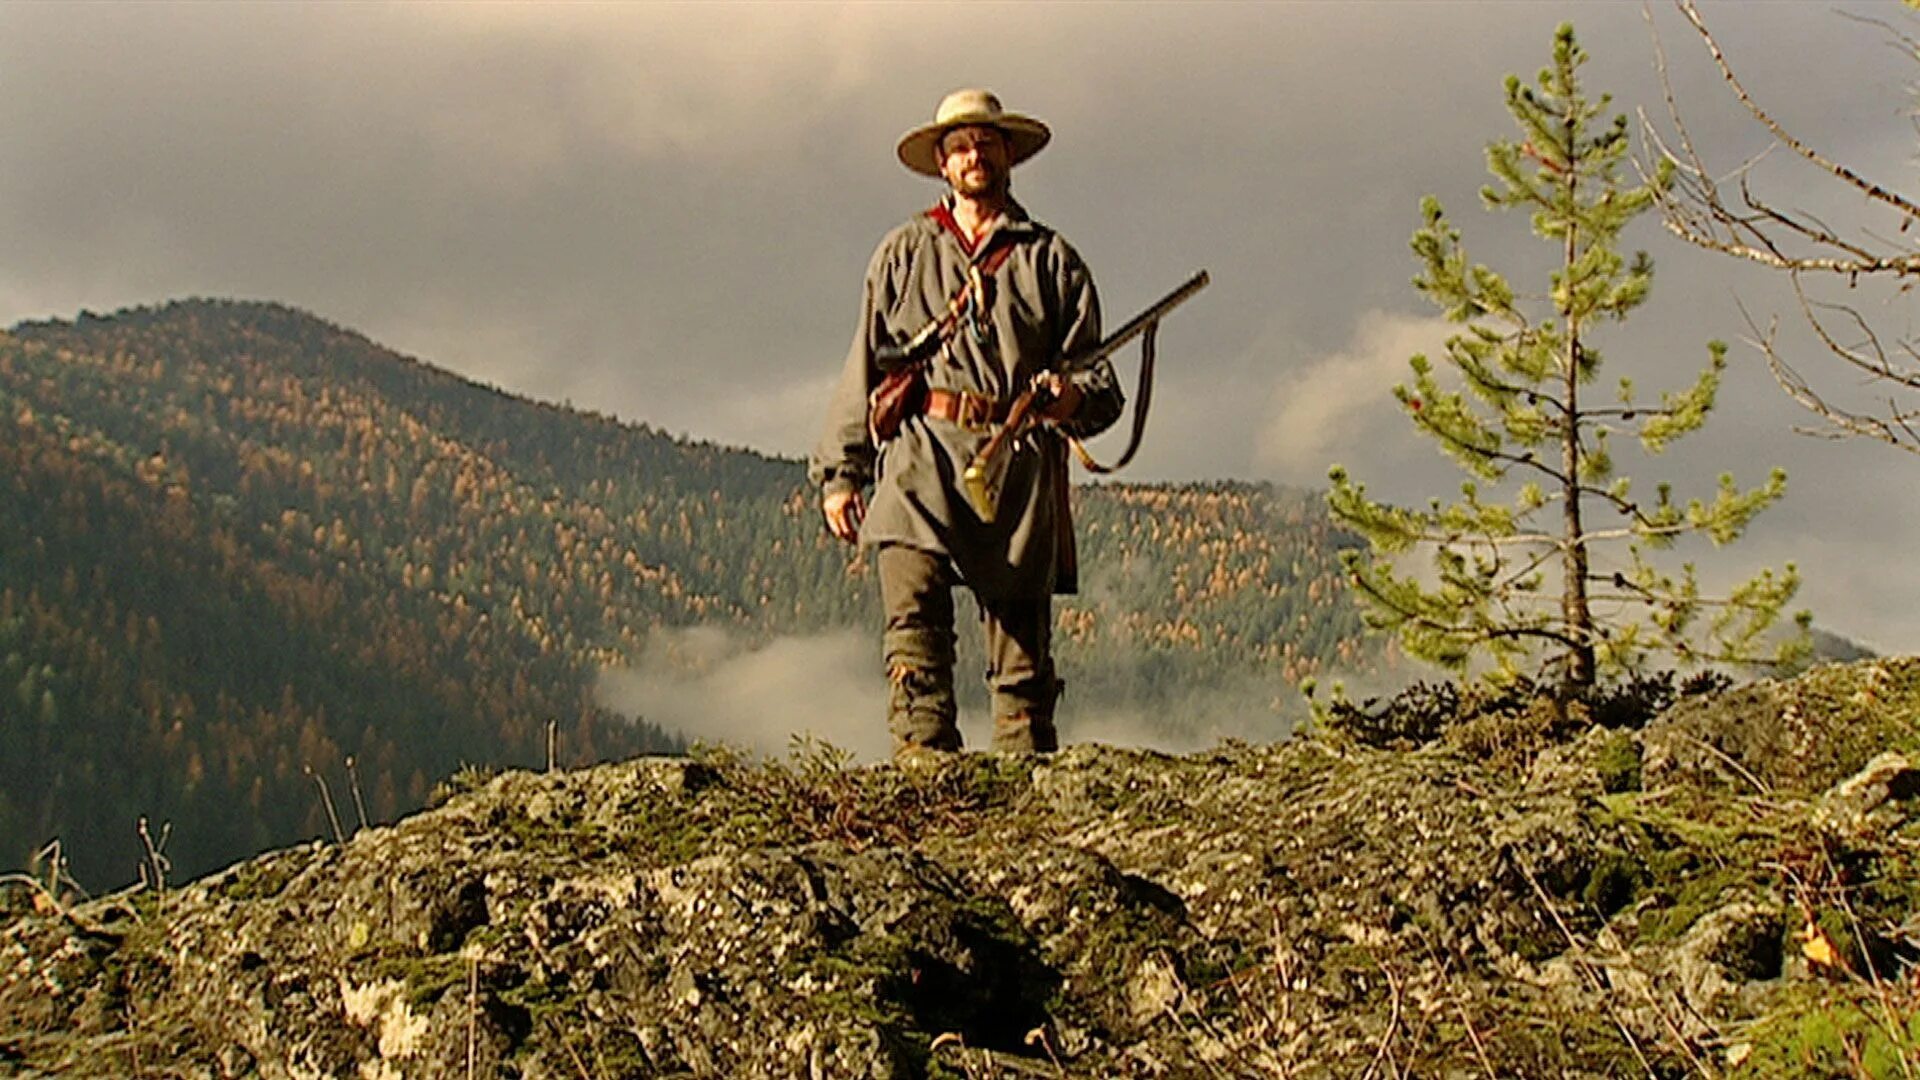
(241, 547)
(1722, 884)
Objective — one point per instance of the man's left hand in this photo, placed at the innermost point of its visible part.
(1063, 400)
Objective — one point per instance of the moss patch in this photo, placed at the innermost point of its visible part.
(1832, 1030)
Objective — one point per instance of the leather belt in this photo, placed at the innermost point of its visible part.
(975, 412)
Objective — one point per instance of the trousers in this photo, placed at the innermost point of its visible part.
(916, 590)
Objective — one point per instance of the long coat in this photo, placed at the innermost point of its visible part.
(1043, 310)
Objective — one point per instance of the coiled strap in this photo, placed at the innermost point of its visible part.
(1140, 402)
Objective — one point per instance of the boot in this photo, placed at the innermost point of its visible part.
(1029, 729)
(921, 711)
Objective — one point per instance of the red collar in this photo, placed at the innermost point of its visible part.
(942, 214)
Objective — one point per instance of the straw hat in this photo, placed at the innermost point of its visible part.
(919, 149)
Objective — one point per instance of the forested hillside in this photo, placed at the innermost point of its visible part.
(238, 543)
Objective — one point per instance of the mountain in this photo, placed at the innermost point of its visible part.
(259, 575)
(1660, 881)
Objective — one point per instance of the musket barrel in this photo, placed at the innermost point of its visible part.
(985, 473)
(1139, 323)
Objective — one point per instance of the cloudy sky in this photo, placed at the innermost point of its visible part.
(662, 211)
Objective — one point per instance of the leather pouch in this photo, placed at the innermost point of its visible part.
(901, 393)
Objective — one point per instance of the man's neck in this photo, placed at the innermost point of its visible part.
(975, 215)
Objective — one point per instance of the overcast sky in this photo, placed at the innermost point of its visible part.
(663, 211)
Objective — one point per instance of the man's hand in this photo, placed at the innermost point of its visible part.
(845, 509)
(1064, 397)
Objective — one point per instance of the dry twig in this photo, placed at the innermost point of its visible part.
(1727, 215)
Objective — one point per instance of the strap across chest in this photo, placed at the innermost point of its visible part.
(981, 266)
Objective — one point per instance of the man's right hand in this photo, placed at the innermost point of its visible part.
(845, 509)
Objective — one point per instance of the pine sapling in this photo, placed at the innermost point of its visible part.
(1542, 572)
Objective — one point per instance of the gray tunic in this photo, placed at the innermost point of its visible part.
(1043, 308)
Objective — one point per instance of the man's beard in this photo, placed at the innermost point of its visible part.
(987, 183)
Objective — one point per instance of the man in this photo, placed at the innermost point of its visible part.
(1014, 304)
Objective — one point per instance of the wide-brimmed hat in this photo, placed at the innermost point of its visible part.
(919, 149)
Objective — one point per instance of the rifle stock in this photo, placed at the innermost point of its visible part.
(986, 475)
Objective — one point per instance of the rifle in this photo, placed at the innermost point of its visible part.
(986, 474)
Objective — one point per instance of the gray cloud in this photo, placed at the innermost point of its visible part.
(663, 211)
(1331, 409)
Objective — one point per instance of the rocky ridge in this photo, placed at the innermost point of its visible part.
(1442, 887)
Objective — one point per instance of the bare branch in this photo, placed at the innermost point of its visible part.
(1516, 540)
(1642, 532)
(1546, 554)
(1815, 231)
(1673, 106)
(1870, 357)
(1637, 597)
(1696, 210)
(1869, 188)
(1894, 430)
(1906, 44)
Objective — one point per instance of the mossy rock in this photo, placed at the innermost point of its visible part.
(1800, 736)
(1505, 900)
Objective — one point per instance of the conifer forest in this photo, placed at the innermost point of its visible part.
(253, 564)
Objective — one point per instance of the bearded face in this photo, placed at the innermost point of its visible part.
(976, 161)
